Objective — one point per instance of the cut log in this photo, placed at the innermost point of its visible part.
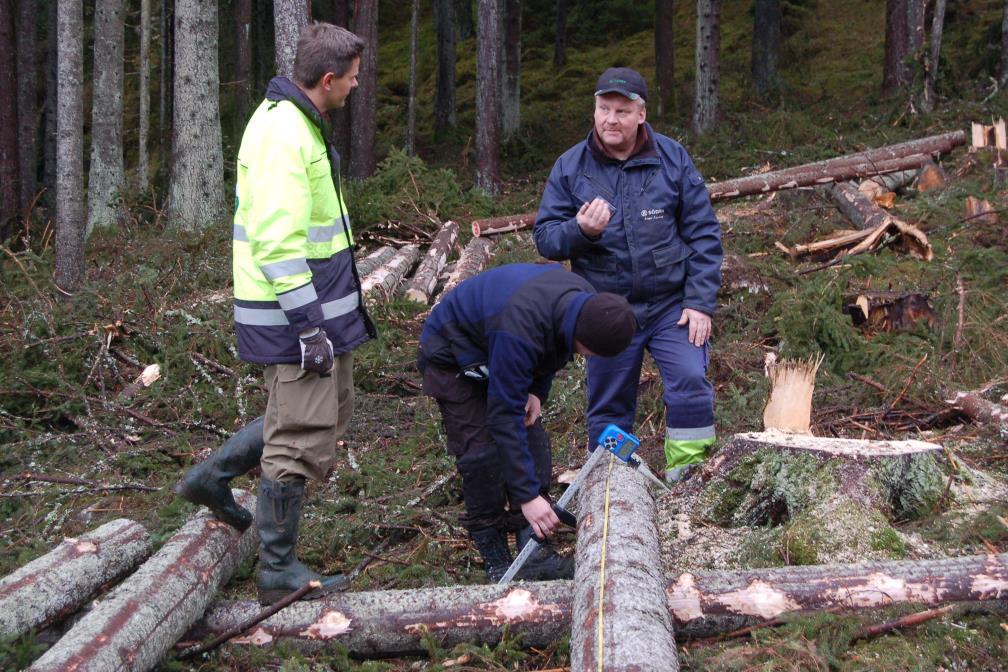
(473, 260)
(396, 622)
(701, 604)
(387, 277)
(858, 206)
(808, 176)
(890, 311)
(421, 285)
(506, 224)
(144, 616)
(58, 583)
(619, 621)
(789, 408)
(374, 260)
(877, 194)
(763, 594)
(979, 211)
(893, 181)
(811, 500)
(978, 409)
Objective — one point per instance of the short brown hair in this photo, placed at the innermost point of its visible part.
(322, 48)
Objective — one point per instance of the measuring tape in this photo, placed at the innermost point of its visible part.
(602, 559)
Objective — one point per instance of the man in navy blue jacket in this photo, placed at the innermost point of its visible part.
(631, 212)
(488, 353)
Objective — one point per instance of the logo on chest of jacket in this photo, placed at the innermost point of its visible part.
(652, 214)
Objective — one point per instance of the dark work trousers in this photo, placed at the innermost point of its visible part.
(478, 459)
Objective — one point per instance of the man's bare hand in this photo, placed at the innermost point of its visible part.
(540, 516)
(699, 325)
(593, 217)
(533, 409)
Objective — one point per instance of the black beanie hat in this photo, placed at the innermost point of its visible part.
(606, 324)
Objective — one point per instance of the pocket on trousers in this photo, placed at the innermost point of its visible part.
(305, 400)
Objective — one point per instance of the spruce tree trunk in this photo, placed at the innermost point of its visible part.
(69, 247)
(706, 102)
(411, 103)
(142, 176)
(444, 95)
(363, 102)
(197, 181)
(106, 174)
(27, 101)
(511, 77)
(766, 47)
(288, 18)
(1003, 72)
(166, 95)
(896, 46)
(464, 19)
(50, 112)
(340, 117)
(927, 102)
(664, 44)
(560, 42)
(243, 68)
(10, 163)
(487, 106)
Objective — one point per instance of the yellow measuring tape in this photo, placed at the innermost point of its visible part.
(605, 543)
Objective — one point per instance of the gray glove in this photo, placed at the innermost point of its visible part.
(316, 351)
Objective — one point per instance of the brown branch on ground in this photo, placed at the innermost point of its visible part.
(902, 622)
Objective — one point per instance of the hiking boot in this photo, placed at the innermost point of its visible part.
(545, 564)
(493, 547)
(208, 483)
(278, 512)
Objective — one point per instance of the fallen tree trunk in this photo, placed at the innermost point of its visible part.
(506, 224)
(473, 260)
(374, 260)
(893, 181)
(387, 277)
(139, 622)
(58, 583)
(619, 620)
(701, 604)
(978, 409)
(810, 175)
(904, 237)
(857, 206)
(421, 285)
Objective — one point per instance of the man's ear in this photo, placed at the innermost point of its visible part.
(327, 79)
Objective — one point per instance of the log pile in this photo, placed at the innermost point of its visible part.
(473, 260)
(61, 581)
(421, 285)
(387, 277)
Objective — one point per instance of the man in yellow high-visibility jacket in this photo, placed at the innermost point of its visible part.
(298, 308)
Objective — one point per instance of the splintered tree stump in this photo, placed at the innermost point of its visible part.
(810, 500)
(931, 178)
(473, 260)
(890, 311)
(387, 277)
(421, 285)
(979, 211)
(395, 622)
(144, 616)
(61, 581)
(620, 621)
(789, 408)
(374, 260)
(506, 224)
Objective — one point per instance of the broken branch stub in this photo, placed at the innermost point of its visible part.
(144, 616)
(61, 581)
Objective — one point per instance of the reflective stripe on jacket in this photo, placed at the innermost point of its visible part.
(662, 245)
(293, 261)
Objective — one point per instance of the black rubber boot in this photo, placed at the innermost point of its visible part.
(278, 512)
(545, 564)
(493, 546)
(208, 483)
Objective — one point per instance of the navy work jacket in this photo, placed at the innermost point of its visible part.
(662, 246)
(518, 320)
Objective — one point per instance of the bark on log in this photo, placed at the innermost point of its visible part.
(139, 622)
(58, 583)
(978, 409)
(494, 225)
(894, 181)
(374, 260)
(395, 622)
(421, 285)
(701, 604)
(857, 206)
(619, 619)
(473, 260)
(387, 277)
(810, 175)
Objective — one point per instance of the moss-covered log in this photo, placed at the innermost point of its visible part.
(810, 500)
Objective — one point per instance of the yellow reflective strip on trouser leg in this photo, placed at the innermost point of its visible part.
(680, 452)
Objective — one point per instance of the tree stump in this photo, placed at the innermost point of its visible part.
(807, 500)
(619, 621)
(63, 579)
